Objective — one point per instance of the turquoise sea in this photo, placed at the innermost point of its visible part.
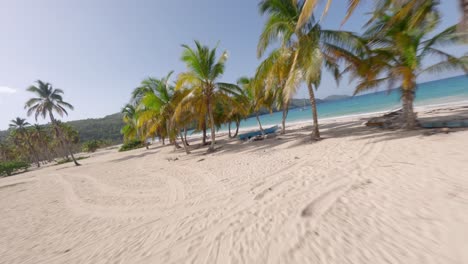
(430, 93)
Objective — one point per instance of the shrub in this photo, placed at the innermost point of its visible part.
(8, 167)
(91, 146)
(133, 144)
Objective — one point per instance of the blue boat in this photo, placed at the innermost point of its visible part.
(250, 135)
(441, 124)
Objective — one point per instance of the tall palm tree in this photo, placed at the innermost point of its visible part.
(273, 72)
(47, 101)
(204, 70)
(308, 47)
(20, 125)
(395, 51)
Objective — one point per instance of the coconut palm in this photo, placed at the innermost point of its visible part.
(47, 101)
(204, 70)
(41, 139)
(22, 136)
(310, 5)
(256, 97)
(396, 49)
(130, 118)
(273, 73)
(309, 48)
(155, 109)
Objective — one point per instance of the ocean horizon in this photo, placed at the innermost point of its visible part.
(443, 91)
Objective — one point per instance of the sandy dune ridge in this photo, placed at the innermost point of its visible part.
(362, 195)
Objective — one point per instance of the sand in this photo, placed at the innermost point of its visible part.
(361, 195)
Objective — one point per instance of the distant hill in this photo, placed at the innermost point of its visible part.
(106, 128)
(335, 97)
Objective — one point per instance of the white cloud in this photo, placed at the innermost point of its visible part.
(7, 90)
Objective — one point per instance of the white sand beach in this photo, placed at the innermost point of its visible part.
(361, 195)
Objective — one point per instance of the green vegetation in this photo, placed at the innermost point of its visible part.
(9, 167)
(47, 101)
(93, 145)
(39, 143)
(132, 144)
(398, 37)
(106, 128)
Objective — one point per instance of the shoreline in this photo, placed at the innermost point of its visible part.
(327, 120)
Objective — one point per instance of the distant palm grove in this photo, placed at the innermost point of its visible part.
(294, 50)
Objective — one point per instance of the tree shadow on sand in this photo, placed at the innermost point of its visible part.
(354, 130)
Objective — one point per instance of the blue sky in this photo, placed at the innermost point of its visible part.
(98, 51)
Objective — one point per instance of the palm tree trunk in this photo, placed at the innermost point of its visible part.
(184, 142)
(61, 139)
(229, 129)
(285, 115)
(313, 104)
(237, 128)
(259, 123)
(33, 153)
(204, 132)
(185, 136)
(212, 127)
(408, 109)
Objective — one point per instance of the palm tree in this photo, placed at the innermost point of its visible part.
(306, 49)
(396, 47)
(48, 101)
(155, 109)
(310, 5)
(256, 97)
(204, 70)
(273, 73)
(130, 118)
(20, 125)
(40, 139)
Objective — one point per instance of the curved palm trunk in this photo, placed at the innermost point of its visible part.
(185, 136)
(229, 129)
(61, 139)
(285, 115)
(184, 142)
(212, 127)
(313, 103)
(237, 128)
(259, 123)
